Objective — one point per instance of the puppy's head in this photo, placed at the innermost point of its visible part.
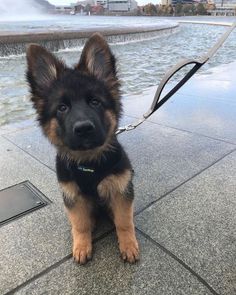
(77, 108)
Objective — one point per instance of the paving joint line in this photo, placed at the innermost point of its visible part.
(195, 133)
(53, 266)
(184, 130)
(172, 255)
(184, 182)
(39, 161)
(6, 132)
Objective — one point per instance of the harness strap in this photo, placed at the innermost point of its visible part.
(197, 64)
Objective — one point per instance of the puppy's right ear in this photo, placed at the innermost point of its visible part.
(43, 68)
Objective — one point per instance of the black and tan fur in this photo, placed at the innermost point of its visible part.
(78, 110)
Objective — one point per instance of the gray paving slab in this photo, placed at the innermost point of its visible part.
(17, 166)
(36, 240)
(163, 158)
(33, 142)
(212, 89)
(197, 223)
(14, 127)
(157, 273)
(213, 118)
(225, 72)
(215, 83)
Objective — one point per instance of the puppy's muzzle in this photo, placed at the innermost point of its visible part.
(83, 128)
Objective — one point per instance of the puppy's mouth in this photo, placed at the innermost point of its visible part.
(85, 144)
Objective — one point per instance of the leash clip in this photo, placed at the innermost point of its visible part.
(129, 127)
(134, 125)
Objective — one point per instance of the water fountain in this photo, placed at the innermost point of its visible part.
(11, 10)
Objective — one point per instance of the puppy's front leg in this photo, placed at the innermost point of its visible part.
(122, 209)
(79, 210)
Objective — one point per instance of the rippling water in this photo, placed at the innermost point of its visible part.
(141, 64)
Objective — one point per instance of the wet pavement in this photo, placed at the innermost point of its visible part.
(184, 158)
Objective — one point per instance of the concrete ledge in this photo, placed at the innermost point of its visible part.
(204, 22)
(14, 43)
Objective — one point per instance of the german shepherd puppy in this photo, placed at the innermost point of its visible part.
(78, 110)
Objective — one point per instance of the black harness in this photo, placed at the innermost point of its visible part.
(88, 175)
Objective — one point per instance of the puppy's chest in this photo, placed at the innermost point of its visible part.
(88, 178)
(96, 179)
(89, 175)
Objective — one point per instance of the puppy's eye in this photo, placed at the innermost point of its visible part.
(62, 108)
(94, 102)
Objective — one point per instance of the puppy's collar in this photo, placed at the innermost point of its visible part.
(85, 169)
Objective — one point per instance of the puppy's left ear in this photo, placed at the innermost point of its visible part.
(43, 68)
(98, 60)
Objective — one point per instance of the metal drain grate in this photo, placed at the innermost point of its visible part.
(20, 199)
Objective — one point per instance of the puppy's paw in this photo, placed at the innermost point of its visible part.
(129, 250)
(82, 253)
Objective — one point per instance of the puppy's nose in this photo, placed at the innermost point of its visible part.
(83, 128)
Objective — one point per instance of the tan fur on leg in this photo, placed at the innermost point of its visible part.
(122, 209)
(114, 183)
(80, 219)
(80, 216)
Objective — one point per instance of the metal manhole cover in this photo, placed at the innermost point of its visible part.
(19, 200)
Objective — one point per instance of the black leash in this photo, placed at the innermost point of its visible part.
(197, 64)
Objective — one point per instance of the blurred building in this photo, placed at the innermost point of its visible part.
(227, 4)
(101, 2)
(174, 2)
(111, 5)
(219, 3)
(121, 5)
(63, 8)
(166, 2)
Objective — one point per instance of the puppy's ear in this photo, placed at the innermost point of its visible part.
(43, 68)
(98, 60)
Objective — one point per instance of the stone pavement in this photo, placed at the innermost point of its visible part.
(184, 158)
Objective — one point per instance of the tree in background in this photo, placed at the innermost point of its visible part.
(170, 10)
(87, 8)
(165, 10)
(178, 9)
(200, 9)
(211, 6)
(189, 9)
(150, 9)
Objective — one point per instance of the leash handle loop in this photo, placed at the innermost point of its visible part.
(156, 101)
